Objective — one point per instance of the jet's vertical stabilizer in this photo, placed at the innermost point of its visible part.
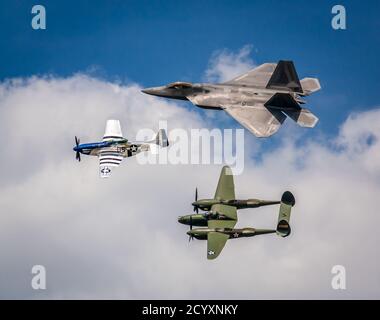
(285, 77)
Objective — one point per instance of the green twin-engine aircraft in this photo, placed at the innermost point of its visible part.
(220, 216)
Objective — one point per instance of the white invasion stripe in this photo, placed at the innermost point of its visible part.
(109, 164)
(110, 159)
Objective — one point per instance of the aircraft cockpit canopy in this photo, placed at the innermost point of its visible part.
(179, 85)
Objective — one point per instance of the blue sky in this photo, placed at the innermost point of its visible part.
(156, 42)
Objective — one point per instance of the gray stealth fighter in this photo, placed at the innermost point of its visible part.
(259, 100)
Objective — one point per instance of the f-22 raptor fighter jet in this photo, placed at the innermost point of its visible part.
(114, 147)
(220, 216)
(259, 100)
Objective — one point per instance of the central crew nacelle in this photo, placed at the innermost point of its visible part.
(200, 220)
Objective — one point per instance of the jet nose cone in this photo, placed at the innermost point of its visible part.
(152, 91)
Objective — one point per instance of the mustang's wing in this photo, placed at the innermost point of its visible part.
(259, 76)
(225, 189)
(260, 120)
(108, 159)
(215, 244)
(113, 130)
(227, 211)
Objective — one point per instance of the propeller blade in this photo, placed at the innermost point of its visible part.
(195, 208)
(77, 142)
(191, 223)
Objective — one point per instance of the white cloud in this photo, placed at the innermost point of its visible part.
(225, 65)
(119, 238)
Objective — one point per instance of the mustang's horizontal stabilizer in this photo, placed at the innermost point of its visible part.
(303, 117)
(310, 85)
(287, 202)
(285, 77)
(113, 130)
(261, 121)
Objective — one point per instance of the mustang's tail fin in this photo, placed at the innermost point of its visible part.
(285, 77)
(161, 139)
(287, 202)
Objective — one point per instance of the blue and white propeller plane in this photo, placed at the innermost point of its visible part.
(114, 147)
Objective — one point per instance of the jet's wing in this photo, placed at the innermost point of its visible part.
(258, 77)
(225, 189)
(215, 244)
(108, 159)
(260, 120)
(227, 211)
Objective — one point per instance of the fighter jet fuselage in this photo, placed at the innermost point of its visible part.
(260, 100)
(215, 96)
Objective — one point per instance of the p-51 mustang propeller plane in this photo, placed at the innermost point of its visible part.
(260, 100)
(114, 147)
(220, 216)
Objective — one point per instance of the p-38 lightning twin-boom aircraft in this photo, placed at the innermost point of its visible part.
(220, 216)
(260, 100)
(114, 147)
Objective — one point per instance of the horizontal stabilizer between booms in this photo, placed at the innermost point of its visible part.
(287, 202)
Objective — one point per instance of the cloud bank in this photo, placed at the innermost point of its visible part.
(225, 65)
(119, 238)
